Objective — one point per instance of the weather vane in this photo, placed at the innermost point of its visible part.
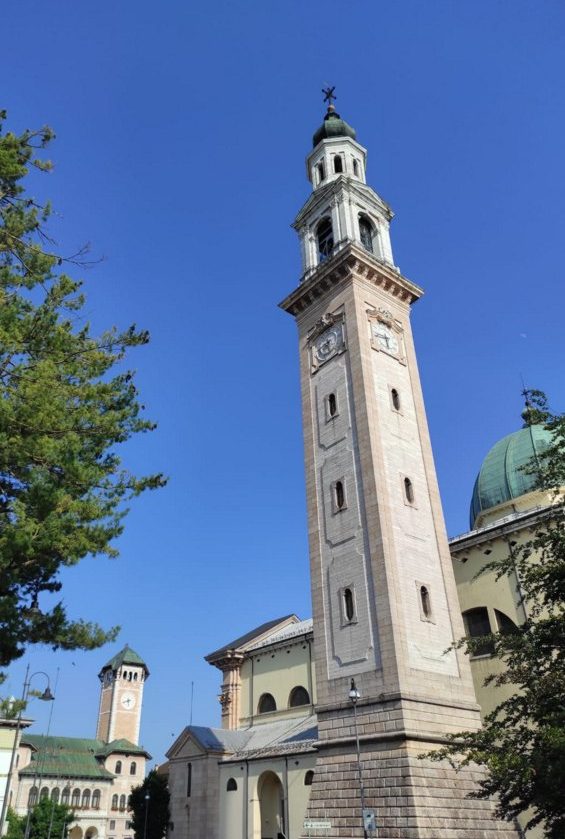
(329, 95)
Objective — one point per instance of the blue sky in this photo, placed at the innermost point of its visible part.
(182, 130)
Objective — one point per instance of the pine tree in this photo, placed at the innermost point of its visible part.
(66, 402)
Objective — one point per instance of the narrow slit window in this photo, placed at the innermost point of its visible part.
(338, 164)
(332, 405)
(355, 167)
(339, 495)
(188, 779)
(395, 399)
(118, 767)
(425, 601)
(408, 490)
(348, 604)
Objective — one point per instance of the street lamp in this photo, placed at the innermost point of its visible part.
(46, 696)
(354, 697)
(147, 796)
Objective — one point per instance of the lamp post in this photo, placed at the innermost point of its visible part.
(46, 696)
(147, 796)
(354, 697)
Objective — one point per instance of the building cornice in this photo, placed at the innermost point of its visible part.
(350, 261)
(502, 527)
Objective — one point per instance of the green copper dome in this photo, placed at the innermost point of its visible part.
(333, 126)
(501, 477)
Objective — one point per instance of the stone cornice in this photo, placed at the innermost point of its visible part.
(227, 660)
(350, 261)
(499, 529)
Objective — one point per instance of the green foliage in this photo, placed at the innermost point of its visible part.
(156, 808)
(66, 402)
(47, 820)
(522, 742)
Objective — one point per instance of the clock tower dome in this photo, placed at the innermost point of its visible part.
(121, 694)
(385, 607)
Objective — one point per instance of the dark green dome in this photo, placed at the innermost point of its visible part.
(501, 477)
(333, 126)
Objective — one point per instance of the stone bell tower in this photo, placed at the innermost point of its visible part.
(121, 695)
(385, 607)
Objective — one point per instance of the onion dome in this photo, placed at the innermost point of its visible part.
(502, 477)
(333, 126)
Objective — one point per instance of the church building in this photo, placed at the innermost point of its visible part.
(93, 776)
(373, 664)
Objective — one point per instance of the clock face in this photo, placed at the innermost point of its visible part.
(385, 337)
(329, 343)
(127, 700)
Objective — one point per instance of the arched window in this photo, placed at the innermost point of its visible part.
(135, 677)
(332, 405)
(321, 171)
(355, 168)
(118, 767)
(408, 490)
(266, 704)
(506, 625)
(366, 233)
(395, 399)
(477, 625)
(425, 601)
(298, 696)
(122, 802)
(325, 236)
(114, 802)
(32, 798)
(55, 792)
(96, 799)
(348, 604)
(75, 798)
(308, 778)
(339, 495)
(231, 785)
(65, 795)
(44, 793)
(86, 799)
(338, 164)
(133, 768)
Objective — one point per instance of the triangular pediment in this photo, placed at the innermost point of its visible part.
(186, 745)
(353, 188)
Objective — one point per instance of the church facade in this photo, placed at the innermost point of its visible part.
(385, 605)
(93, 776)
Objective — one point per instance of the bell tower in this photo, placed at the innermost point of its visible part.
(121, 694)
(384, 602)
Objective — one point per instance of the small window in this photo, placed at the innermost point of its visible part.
(339, 495)
(348, 604)
(114, 803)
(325, 236)
(321, 171)
(298, 696)
(118, 767)
(425, 602)
(477, 625)
(44, 793)
(332, 405)
(85, 804)
(366, 233)
(395, 398)
(55, 792)
(122, 802)
(112, 825)
(188, 779)
(75, 798)
(135, 677)
(506, 625)
(231, 785)
(308, 778)
(338, 164)
(408, 491)
(266, 704)
(32, 798)
(96, 799)
(355, 167)
(133, 768)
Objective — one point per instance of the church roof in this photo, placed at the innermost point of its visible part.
(333, 126)
(502, 476)
(125, 656)
(243, 640)
(73, 757)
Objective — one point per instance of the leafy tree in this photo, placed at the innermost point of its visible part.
(155, 808)
(522, 742)
(66, 402)
(47, 820)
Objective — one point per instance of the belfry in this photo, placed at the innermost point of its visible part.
(385, 607)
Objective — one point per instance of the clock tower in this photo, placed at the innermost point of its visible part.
(385, 607)
(121, 694)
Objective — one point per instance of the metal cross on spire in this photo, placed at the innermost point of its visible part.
(329, 95)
